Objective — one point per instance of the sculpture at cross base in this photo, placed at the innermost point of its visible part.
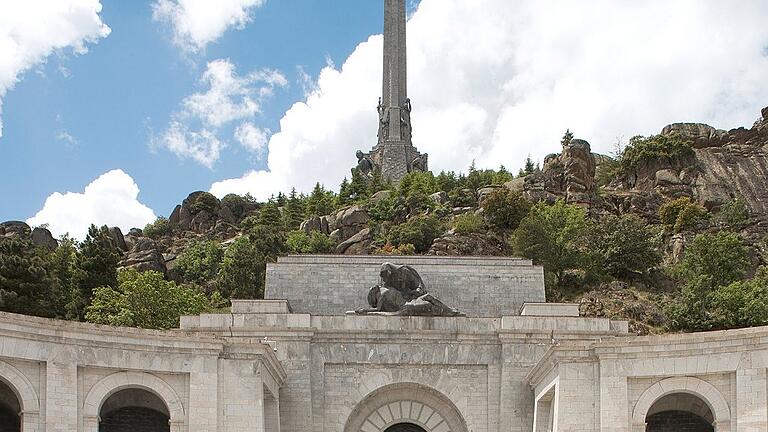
(401, 292)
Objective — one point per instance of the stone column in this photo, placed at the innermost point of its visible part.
(751, 401)
(61, 397)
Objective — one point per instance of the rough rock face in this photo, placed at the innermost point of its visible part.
(118, 238)
(358, 244)
(17, 228)
(569, 175)
(454, 244)
(340, 226)
(42, 237)
(733, 171)
(144, 256)
(203, 213)
(724, 165)
(701, 135)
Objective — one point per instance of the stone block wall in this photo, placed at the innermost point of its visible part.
(477, 286)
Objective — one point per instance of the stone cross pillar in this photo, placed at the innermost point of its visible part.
(395, 88)
(394, 154)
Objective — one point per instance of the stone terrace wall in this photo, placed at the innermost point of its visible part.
(477, 286)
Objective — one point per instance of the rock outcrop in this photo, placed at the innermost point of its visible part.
(43, 238)
(569, 175)
(39, 236)
(201, 212)
(15, 228)
(144, 256)
(340, 226)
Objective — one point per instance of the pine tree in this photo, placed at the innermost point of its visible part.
(24, 280)
(320, 202)
(567, 138)
(529, 167)
(345, 192)
(293, 213)
(96, 266)
(269, 215)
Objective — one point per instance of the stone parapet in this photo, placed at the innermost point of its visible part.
(476, 286)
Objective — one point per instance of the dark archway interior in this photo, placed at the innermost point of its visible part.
(404, 427)
(679, 412)
(9, 409)
(134, 410)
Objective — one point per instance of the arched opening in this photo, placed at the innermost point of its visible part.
(134, 410)
(10, 408)
(405, 427)
(405, 407)
(679, 412)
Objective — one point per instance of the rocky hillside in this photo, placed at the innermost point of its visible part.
(453, 214)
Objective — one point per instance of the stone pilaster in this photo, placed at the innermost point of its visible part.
(751, 400)
(61, 407)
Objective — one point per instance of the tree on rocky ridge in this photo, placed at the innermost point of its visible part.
(96, 266)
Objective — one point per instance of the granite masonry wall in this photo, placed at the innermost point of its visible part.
(333, 285)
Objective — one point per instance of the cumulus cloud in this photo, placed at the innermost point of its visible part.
(111, 199)
(252, 138)
(31, 30)
(196, 23)
(194, 131)
(494, 81)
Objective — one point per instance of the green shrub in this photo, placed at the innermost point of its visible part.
(681, 214)
(419, 231)
(145, 300)
(741, 304)
(203, 201)
(403, 249)
(160, 227)
(468, 223)
(241, 274)
(462, 197)
(237, 204)
(200, 262)
(607, 171)
(711, 269)
(640, 149)
(299, 242)
(556, 237)
(722, 256)
(734, 215)
(505, 209)
(626, 245)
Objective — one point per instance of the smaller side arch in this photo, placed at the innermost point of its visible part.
(690, 385)
(30, 403)
(112, 384)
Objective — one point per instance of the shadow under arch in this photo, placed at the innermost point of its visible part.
(406, 403)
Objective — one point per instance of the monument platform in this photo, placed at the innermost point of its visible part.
(333, 285)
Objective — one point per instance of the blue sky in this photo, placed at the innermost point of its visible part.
(113, 111)
(113, 99)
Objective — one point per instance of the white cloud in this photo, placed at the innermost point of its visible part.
(201, 146)
(196, 23)
(30, 30)
(111, 199)
(495, 80)
(252, 138)
(194, 131)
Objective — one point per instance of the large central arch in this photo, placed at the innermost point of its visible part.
(406, 403)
